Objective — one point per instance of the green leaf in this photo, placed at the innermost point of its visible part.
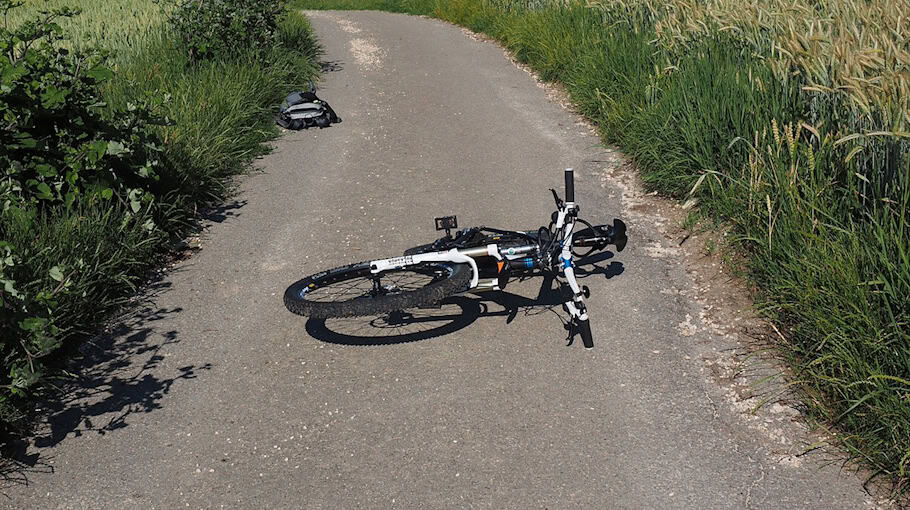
(52, 97)
(21, 377)
(44, 191)
(25, 140)
(32, 324)
(56, 273)
(45, 170)
(12, 74)
(10, 289)
(95, 151)
(72, 178)
(107, 193)
(100, 73)
(135, 197)
(115, 148)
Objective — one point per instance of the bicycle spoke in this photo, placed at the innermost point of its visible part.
(390, 282)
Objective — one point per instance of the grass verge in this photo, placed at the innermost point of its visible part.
(815, 181)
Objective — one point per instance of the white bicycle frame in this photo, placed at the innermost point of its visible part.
(576, 305)
(565, 224)
(453, 255)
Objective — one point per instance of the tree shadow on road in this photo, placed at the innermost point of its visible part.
(17, 464)
(112, 377)
(455, 313)
(331, 66)
(223, 212)
(117, 383)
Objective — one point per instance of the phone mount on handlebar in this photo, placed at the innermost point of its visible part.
(447, 223)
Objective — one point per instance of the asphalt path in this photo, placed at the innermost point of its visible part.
(214, 396)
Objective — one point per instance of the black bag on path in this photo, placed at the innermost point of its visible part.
(303, 110)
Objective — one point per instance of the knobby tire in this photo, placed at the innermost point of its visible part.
(300, 298)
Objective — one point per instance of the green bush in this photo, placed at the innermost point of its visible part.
(213, 28)
(58, 140)
(61, 149)
(61, 273)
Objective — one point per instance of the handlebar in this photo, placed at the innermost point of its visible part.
(598, 237)
(584, 329)
(570, 185)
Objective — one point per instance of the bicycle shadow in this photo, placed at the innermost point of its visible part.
(457, 312)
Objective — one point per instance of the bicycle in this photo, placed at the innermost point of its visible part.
(475, 259)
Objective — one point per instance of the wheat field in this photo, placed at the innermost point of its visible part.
(119, 25)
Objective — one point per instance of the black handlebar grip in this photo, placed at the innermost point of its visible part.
(584, 327)
(570, 185)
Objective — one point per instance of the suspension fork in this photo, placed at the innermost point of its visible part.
(576, 305)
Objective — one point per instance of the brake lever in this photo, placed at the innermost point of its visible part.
(570, 330)
(559, 202)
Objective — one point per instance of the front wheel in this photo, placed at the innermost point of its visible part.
(353, 291)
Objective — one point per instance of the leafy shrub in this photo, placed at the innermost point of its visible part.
(63, 152)
(214, 28)
(59, 275)
(57, 141)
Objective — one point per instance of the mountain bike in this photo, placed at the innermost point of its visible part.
(474, 259)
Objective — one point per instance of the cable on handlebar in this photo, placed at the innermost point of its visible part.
(505, 232)
(589, 227)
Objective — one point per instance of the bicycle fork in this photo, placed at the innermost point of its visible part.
(576, 305)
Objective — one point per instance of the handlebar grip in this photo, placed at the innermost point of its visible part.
(584, 327)
(570, 185)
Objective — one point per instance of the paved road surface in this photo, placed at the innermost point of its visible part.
(216, 397)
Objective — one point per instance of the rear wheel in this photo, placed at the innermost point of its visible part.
(353, 291)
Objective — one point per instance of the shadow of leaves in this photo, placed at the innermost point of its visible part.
(113, 377)
(331, 66)
(117, 377)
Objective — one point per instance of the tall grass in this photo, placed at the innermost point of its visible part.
(220, 111)
(850, 58)
(785, 119)
(854, 50)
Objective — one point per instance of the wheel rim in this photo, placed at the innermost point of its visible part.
(362, 284)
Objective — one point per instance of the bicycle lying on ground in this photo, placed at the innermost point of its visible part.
(476, 258)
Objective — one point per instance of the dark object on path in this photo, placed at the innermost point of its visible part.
(303, 110)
